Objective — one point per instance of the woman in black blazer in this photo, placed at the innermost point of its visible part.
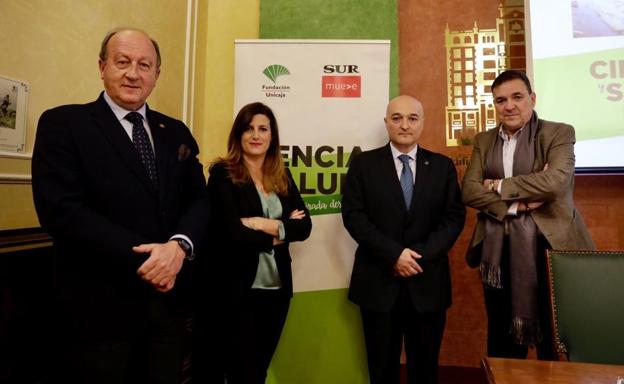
(257, 212)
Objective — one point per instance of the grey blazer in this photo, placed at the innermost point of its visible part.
(557, 219)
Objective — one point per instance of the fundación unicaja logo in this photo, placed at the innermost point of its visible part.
(273, 72)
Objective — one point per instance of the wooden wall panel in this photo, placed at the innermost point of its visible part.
(600, 200)
(422, 73)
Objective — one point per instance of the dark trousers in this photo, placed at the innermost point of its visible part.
(151, 354)
(208, 343)
(253, 335)
(384, 333)
(498, 307)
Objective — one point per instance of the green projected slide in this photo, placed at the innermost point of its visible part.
(577, 50)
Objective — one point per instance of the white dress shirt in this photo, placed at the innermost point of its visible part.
(399, 164)
(121, 113)
(509, 150)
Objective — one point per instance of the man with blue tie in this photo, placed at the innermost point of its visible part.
(120, 189)
(402, 205)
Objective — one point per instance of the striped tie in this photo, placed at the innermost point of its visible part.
(407, 180)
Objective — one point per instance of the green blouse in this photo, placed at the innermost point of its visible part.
(267, 275)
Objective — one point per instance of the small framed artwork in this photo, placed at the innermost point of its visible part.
(13, 102)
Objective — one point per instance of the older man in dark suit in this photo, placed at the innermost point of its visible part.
(121, 191)
(402, 205)
(521, 179)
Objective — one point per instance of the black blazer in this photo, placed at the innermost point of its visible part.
(237, 247)
(374, 213)
(93, 195)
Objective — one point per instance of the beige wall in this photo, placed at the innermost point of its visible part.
(53, 46)
(220, 22)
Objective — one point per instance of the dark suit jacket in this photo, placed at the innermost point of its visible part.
(236, 246)
(93, 195)
(375, 215)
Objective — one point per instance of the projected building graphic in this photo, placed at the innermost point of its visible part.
(474, 58)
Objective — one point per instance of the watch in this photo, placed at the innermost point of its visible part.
(492, 186)
(186, 247)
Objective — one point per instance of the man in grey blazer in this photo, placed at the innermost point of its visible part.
(402, 205)
(520, 179)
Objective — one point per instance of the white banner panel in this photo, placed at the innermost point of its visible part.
(329, 98)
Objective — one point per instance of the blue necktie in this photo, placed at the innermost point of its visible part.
(143, 145)
(407, 180)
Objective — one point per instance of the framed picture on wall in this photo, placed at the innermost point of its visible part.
(13, 101)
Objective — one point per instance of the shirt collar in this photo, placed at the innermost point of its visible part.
(396, 153)
(505, 136)
(121, 112)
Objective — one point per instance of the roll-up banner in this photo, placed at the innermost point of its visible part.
(329, 99)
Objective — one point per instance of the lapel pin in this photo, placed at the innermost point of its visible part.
(426, 163)
(161, 125)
